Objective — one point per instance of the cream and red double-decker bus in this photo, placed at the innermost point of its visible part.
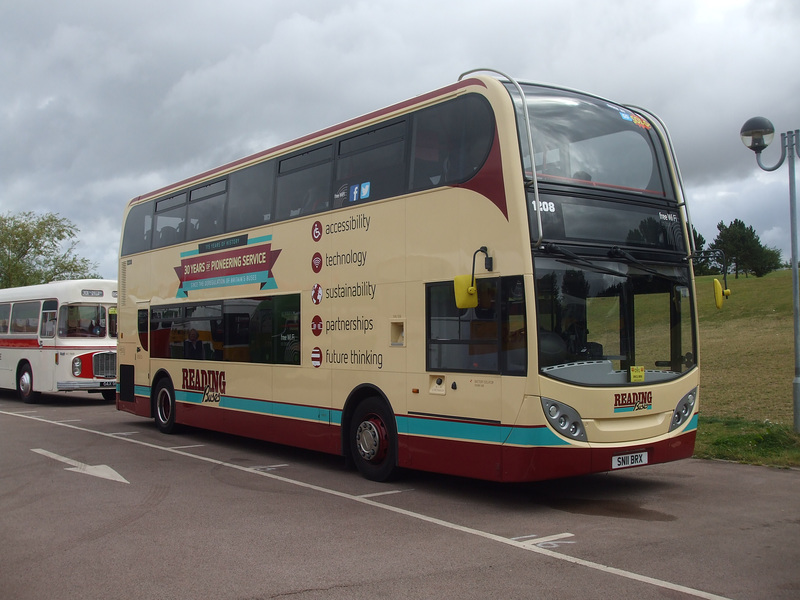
(59, 337)
(491, 280)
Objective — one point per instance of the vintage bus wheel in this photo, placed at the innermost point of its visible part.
(165, 406)
(25, 384)
(373, 440)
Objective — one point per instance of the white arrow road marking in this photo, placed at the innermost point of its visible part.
(103, 471)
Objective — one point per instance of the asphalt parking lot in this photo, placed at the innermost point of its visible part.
(95, 503)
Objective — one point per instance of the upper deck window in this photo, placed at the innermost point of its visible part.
(170, 221)
(371, 165)
(304, 183)
(251, 199)
(582, 140)
(138, 229)
(206, 210)
(450, 142)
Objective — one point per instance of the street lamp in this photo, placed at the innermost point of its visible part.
(757, 133)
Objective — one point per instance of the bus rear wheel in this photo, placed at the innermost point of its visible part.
(373, 440)
(25, 384)
(165, 407)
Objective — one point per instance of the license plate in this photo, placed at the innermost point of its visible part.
(624, 461)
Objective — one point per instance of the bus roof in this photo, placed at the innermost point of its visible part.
(69, 291)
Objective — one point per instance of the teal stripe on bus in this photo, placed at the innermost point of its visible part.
(693, 423)
(266, 407)
(480, 432)
(258, 240)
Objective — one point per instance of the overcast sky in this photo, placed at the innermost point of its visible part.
(103, 101)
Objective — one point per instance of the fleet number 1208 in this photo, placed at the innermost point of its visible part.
(547, 206)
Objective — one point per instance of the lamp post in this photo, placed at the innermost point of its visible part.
(757, 133)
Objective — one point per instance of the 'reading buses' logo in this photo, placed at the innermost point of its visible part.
(211, 383)
(633, 401)
(236, 260)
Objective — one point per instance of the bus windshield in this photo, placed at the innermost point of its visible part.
(613, 322)
(584, 140)
(86, 320)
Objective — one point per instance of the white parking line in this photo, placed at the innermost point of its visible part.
(408, 513)
(269, 467)
(550, 541)
(375, 494)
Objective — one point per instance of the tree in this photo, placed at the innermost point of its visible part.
(38, 249)
(703, 262)
(744, 250)
(767, 260)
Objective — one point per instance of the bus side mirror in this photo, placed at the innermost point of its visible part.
(466, 293)
(464, 285)
(719, 293)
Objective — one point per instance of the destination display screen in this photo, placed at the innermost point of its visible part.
(567, 218)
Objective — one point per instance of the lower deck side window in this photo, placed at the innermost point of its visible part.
(250, 330)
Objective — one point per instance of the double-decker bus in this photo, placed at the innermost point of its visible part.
(59, 337)
(491, 280)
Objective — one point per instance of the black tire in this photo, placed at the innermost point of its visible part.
(110, 395)
(373, 440)
(164, 406)
(25, 384)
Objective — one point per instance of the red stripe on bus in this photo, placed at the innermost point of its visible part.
(34, 343)
(291, 432)
(19, 343)
(489, 181)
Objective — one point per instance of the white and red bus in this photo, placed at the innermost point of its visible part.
(59, 337)
(493, 280)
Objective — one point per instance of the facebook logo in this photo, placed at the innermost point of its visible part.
(354, 189)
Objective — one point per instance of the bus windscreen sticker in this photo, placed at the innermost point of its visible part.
(241, 266)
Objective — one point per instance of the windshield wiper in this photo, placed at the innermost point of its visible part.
(617, 252)
(552, 248)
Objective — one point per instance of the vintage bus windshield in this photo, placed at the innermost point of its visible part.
(587, 141)
(87, 320)
(599, 319)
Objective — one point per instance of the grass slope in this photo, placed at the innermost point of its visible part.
(747, 367)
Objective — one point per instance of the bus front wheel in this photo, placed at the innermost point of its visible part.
(25, 384)
(165, 407)
(373, 440)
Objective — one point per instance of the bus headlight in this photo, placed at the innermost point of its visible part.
(683, 412)
(564, 419)
(77, 367)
